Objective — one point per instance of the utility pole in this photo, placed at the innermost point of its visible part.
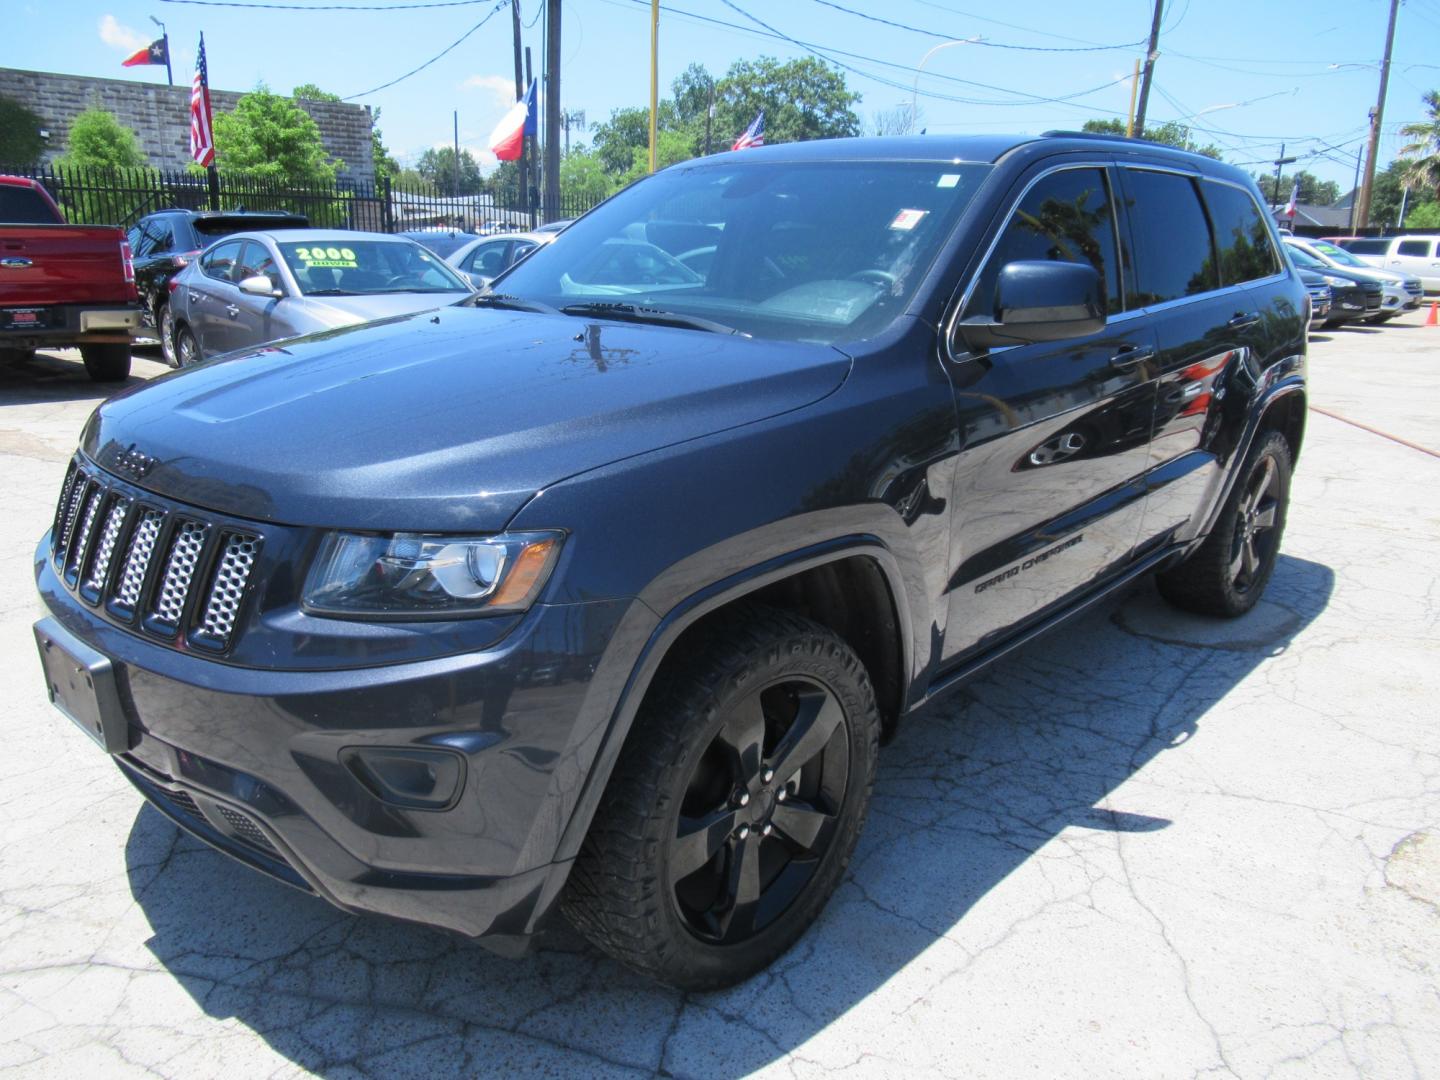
(523, 178)
(1152, 53)
(709, 117)
(529, 194)
(456, 191)
(1279, 163)
(654, 76)
(1362, 212)
(1134, 88)
(552, 110)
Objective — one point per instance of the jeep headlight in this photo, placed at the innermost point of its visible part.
(422, 575)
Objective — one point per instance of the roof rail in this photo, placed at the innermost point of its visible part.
(1062, 134)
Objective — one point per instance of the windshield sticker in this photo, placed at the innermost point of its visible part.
(949, 179)
(341, 258)
(906, 220)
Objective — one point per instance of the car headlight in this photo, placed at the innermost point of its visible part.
(420, 576)
(1337, 282)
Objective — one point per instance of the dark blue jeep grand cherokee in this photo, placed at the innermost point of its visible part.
(600, 590)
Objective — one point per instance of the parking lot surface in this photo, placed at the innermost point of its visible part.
(1151, 845)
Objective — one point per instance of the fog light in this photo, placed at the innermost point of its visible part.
(406, 776)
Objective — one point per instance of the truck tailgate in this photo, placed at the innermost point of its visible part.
(61, 264)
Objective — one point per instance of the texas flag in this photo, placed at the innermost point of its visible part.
(154, 53)
(1289, 210)
(507, 141)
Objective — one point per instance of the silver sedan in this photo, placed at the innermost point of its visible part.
(255, 287)
(486, 257)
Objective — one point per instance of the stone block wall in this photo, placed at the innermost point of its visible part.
(160, 116)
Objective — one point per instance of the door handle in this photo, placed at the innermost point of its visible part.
(232, 311)
(1131, 356)
(194, 298)
(1243, 320)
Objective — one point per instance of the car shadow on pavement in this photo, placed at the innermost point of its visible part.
(968, 792)
(55, 378)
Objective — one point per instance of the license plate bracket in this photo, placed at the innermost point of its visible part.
(24, 319)
(81, 684)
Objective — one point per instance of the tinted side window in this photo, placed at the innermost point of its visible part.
(136, 239)
(1067, 216)
(1367, 247)
(220, 260)
(1413, 247)
(163, 234)
(1241, 238)
(487, 259)
(1173, 256)
(257, 261)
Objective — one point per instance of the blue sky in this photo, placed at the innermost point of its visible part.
(1254, 73)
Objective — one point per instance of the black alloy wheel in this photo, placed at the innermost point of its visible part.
(1227, 574)
(1256, 539)
(735, 804)
(760, 810)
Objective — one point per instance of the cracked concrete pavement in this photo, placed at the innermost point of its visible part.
(1149, 846)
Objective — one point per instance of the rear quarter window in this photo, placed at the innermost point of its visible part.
(1413, 247)
(1366, 247)
(1242, 241)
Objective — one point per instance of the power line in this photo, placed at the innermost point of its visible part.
(1001, 22)
(988, 44)
(499, 4)
(328, 7)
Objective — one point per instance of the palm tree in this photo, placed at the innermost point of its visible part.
(1422, 170)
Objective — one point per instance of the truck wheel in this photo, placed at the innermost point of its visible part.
(735, 804)
(187, 349)
(106, 363)
(16, 356)
(1229, 571)
(165, 327)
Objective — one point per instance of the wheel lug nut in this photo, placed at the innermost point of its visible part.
(767, 776)
(781, 795)
(767, 829)
(742, 832)
(742, 798)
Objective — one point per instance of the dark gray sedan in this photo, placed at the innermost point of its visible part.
(256, 287)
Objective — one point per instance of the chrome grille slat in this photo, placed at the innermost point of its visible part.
(186, 545)
(77, 490)
(137, 559)
(94, 495)
(232, 573)
(62, 505)
(105, 550)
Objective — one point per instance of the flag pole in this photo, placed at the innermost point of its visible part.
(212, 171)
(169, 78)
(654, 75)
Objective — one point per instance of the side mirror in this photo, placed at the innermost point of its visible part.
(1040, 300)
(260, 285)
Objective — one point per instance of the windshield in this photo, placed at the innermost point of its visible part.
(821, 252)
(366, 267)
(1339, 255)
(1301, 257)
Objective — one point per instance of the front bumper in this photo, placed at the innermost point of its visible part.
(260, 763)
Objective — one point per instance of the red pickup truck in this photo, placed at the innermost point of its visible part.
(63, 285)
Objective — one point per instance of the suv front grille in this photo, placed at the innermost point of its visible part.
(164, 569)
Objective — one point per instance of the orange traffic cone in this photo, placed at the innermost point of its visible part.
(1433, 319)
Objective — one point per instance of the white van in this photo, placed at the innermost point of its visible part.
(1418, 255)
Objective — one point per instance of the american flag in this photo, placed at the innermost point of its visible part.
(202, 132)
(754, 135)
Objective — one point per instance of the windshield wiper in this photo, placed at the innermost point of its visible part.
(330, 292)
(658, 316)
(512, 303)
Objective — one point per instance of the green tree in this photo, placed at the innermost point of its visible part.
(1424, 216)
(1422, 153)
(437, 165)
(1313, 190)
(269, 137)
(628, 130)
(20, 141)
(671, 148)
(583, 178)
(310, 92)
(1171, 133)
(98, 140)
(802, 99)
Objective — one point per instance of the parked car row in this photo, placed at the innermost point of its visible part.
(1359, 291)
(1418, 255)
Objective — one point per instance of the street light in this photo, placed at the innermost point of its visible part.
(915, 94)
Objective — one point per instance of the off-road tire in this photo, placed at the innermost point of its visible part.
(106, 363)
(618, 894)
(1205, 582)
